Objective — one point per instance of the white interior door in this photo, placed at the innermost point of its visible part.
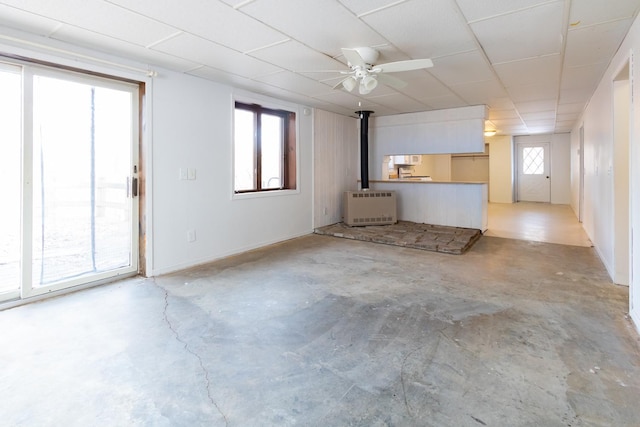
(75, 160)
(534, 183)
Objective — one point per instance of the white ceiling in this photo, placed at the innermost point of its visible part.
(535, 63)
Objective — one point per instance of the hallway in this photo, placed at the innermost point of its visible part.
(539, 222)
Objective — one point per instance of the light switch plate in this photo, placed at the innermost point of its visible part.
(191, 173)
(182, 174)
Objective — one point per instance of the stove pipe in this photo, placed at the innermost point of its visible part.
(364, 149)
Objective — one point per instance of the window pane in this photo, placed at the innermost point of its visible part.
(533, 160)
(81, 161)
(10, 160)
(244, 168)
(271, 151)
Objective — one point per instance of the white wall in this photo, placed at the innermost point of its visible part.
(192, 127)
(500, 169)
(560, 174)
(599, 210)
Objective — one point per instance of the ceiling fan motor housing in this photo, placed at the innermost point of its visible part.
(368, 54)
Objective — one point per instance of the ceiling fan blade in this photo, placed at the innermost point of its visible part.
(392, 81)
(323, 71)
(412, 64)
(353, 57)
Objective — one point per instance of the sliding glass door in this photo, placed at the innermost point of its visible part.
(10, 179)
(76, 204)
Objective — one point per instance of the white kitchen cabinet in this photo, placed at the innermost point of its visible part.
(409, 159)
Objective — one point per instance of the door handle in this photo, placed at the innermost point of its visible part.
(134, 187)
(547, 177)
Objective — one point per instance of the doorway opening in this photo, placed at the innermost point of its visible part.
(621, 160)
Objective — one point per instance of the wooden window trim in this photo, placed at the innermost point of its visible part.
(288, 160)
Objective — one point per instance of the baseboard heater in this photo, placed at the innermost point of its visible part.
(370, 207)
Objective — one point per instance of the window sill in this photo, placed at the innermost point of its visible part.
(262, 194)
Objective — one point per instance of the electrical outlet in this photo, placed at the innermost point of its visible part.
(191, 236)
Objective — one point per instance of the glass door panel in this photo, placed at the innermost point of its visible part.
(10, 178)
(82, 209)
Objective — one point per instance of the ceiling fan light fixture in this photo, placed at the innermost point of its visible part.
(369, 83)
(349, 84)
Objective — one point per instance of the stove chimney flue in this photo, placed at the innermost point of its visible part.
(364, 148)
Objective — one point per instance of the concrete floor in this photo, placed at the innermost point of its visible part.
(322, 331)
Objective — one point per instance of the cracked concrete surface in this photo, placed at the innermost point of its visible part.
(205, 372)
(320, 331)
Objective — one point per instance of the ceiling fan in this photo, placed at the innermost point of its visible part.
(366, 75)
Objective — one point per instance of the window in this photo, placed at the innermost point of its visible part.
(533, 160)
(264, 149)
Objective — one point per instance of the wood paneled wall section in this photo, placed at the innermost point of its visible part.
(335, 162)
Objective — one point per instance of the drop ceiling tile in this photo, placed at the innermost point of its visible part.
(525, 34)
(593, 44)
(201, 51)
(399, 102)
(294, 56)
(567, 117)
(342, 98)
(26, 21)
(564, 126)
(586, 77)
(495, 114)
(321, 25)
(475, 10)
(422, 84)
(461, 68)
(504, 103)
(294, 82)
(592, 12)
(211, 20)
(540, 126)
(534, 92)
(576, 107)
(570, 96)
(443, 102)
(476, 93)
(440, 29)
(100, 17)
(234, 3)
(540, 115)
(530, 70)
(227, 78)
(536, 106)
(359, 7)
(85, 38)
(505, 123)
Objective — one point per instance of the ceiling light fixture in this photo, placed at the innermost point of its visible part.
(368, 84)
(490, 132)
(349, 84)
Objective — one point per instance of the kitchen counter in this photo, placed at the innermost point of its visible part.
(456, 204)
